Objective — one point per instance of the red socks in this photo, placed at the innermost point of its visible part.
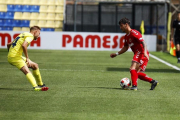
(144, 77)
(134, 77)
(140, 75)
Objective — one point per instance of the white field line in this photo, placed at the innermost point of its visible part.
(166, 63)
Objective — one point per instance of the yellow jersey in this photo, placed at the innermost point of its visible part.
(16, 49)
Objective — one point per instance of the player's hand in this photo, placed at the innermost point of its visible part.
(28, 62)
(146, 55)
(172, 39)
(113, 55)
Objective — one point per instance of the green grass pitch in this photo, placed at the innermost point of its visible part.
(84, 85)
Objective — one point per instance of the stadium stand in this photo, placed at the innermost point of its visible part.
(19, 15)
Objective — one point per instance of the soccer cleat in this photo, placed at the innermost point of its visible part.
(154, 84)
(178, 61)
(37, 88)
(42, 85)
(133, 88)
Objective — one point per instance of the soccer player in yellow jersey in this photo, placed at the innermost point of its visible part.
(16, 48)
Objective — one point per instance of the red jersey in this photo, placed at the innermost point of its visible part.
(133, 40)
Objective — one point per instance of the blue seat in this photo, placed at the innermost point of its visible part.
(34, 8)
(16, 23)
(2, 15)
(1, 28)
(25, 23)
(9, 15)
(10, 8)
(8, 28)
(8, 22)
(26, 8)
(18, 8)
(1, 22)
(43, 29)
(50, 29)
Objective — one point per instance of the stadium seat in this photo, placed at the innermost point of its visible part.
(26, 8)
(42, 16)
(26, 16)
(51, 2)
(9, 15)
(42, 23)
(58, 29)
(51, 16)
(34, 2)
(18, 8)
(16, 28)
(34, 8)
(8, 22)
(3, 2)
(34, 16)
(8, 28)
(43, 2)
(51, 8)
(25, 23)
(11, 2)
(50, 29)
(58, 24)
(16, 23)
(26, 2)
(1, 22)
(18, 2)
(26, 29)
(33, 23)
(43, 29)
(1, 28)
(18, 15)
(59, 17)
(61, 2)
(50, 24)
(3, 8)
(59, 9)
(43, 8)
(10, 8)
(2, 15)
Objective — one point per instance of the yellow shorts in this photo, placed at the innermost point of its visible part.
(19, 62)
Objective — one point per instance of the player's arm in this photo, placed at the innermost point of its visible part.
(124, 49)
(145, 49)
(24, 46)
(9, 45)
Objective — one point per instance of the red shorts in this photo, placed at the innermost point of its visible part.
(141, 59)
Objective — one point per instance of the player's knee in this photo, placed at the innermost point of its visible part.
(36, 66)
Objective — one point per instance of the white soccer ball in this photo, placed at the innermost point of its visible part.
(125, 82)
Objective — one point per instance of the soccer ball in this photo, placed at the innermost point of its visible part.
(125, 82)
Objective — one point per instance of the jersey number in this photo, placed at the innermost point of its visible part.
(15, 41)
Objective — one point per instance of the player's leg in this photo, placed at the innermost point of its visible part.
(177, 44)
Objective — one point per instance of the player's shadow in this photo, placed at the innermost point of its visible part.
(103, 88)
(16, 89)
(147, 70)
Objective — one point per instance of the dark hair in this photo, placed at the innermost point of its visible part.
(34, 28)
(124, 21)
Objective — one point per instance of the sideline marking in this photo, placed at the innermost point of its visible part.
(162, 61)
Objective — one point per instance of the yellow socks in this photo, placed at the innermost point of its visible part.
(37, 75)
(31, 79)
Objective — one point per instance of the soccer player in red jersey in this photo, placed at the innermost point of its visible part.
(134, 40)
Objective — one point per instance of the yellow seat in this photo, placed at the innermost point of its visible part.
(51, 2)
(34, 2)
(59, 17)
(18, 15)
(51, 8)
(51, 16)
(26, 2)
(58, 29)
(34, 16)
(50, 24)
(3, 8)
(33, 23)
(26, 16)
(18, 2)
(43, 2)
(25, 29)
(3, 1)
(59, 9)
(43, 8)
(58, 24)
(42, 16)
(42, 23)
(16, 28)
(10, 1)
